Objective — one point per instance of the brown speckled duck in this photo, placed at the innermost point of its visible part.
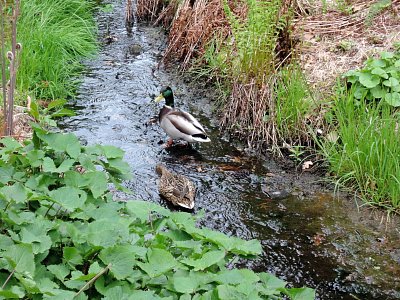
(179, 124)
(176, 188)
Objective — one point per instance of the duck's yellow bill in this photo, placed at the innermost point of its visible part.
(159, 98)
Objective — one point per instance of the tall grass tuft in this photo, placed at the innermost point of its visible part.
(251, 52)
(293, 105)
(366, 156)
(56, 35)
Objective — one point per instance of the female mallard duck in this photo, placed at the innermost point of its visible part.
(179, 124)
(176, 188)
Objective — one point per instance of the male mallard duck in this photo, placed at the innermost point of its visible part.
(179, 124)
(176, 188)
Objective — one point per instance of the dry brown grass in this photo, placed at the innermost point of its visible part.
(244, 113)
(193, 27)
(22, 119)
(334, 36)
(148, 10)
(191, 24)
(334, 42)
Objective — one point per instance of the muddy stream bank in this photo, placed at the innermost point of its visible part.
(308, 236)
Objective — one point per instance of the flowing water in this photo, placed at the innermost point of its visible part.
(308, 236)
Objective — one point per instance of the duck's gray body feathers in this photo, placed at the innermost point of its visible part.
(181, 125)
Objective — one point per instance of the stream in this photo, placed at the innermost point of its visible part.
(309, 236)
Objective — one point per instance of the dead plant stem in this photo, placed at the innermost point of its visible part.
(9, 276)
(13, 64)
(3, 65)
(93, 279)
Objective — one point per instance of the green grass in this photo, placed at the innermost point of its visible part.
(250, 52)
(293, 103)
(366, 157)
(56, 35)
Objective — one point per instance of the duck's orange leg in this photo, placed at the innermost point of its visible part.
(169, 143)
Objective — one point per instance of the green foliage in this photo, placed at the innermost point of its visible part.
(63, 237)
(56, 35)
(250, 52)
(375, 9)
(367, 156)
(46, 116)
(293, 103)
(378, 80)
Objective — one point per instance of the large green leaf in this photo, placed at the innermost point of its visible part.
(369, 80)
(62, 142)
(36, 235)
(60, 271)
(122, 259)
(104, 233)
(271, 283)
(35, 157)
(75, 179)
(302, 294)
(72, 255)
(208, 259)
(97, 182)
(49, 166)
(15, 292)
(236, 276)
(184, 284)
(378, 92)
(21, 258)
(142, 209)
(6, 173)
(380, 72)
(69, 197)
(159, 261)
(393, 99)
(119, 168)
(16, 192)
(112, 151)
(391, 82)
(236, 245)
(227, 292)
(5, 242)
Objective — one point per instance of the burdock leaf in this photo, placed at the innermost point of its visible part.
(122, 259)
(391, 82)
(380, 72)
(369, 80)
(185, 284)
(72, 255)
(208, 259)
(60, 271)
(69, 197)
(97, 183)
(112, 151)
(16, 192)
(393, 99)
(21, 258)
(142, 209)
(159, 262)
(301, 293)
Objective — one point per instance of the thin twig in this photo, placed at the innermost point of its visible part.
(11, 274)
(3, 65)
(93, 279)
(10, 118)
